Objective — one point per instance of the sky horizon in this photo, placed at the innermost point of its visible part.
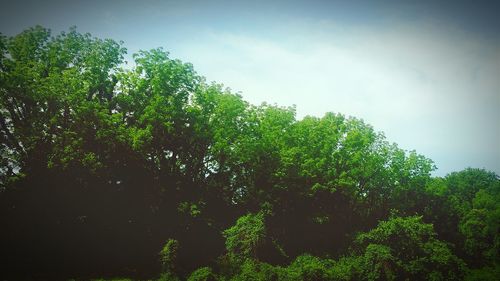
(426, 73)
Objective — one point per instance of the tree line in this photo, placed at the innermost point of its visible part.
(149, 171)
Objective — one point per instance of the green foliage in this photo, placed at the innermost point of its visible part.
(484, 273)
(480, 227)
(465, 184)
(407, 248)
(67, 81)
(347, 268)
(153, 151)
(244, 238)
(167, 276)
(168, 256)
(202, 274)
(191, 209)
(379, 263)
(252, 270)
(309, 268)
(464, 207)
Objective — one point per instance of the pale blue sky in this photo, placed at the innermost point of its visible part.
(426, 73)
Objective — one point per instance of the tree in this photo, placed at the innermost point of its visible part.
(100, 162)
(480, 227)
(407, 248)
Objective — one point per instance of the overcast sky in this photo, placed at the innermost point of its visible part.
(426, 73)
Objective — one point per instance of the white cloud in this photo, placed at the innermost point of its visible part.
(429, 87)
